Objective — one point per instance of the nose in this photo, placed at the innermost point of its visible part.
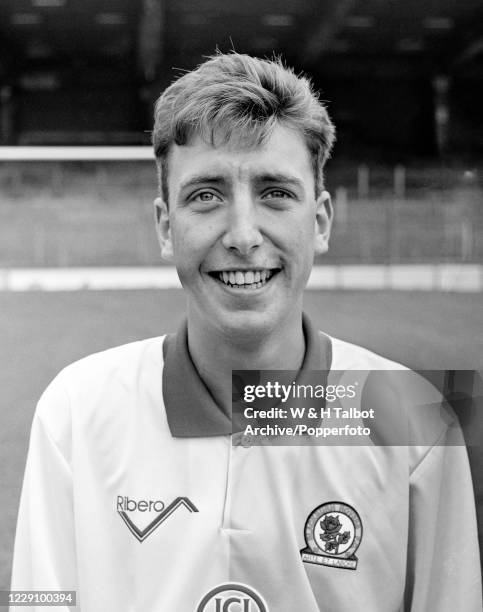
(243, 232)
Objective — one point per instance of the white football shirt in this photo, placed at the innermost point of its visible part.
(137, 497)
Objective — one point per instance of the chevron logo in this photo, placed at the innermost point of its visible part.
(124, 504)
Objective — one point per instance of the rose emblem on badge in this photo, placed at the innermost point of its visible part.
(333, 533)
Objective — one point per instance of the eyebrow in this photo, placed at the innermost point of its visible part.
(219, 179)
(203, 179)
(280, 178)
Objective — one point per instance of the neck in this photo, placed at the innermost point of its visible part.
(216, 353)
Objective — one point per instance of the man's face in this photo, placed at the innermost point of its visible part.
(242, 227)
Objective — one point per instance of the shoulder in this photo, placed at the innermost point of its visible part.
(109, 374)
(120, 362)
(348, 356)
(410, 411)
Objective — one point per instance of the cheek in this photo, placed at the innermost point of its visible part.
(303, 237)
(191, 244)
(183, 235)
(304, 251)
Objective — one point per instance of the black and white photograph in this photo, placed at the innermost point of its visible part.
(241, 278)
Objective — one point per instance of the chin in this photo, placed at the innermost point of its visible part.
(248, 325)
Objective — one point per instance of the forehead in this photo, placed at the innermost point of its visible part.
(284, 152)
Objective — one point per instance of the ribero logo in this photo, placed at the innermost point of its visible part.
(232, 597)
(125, 505)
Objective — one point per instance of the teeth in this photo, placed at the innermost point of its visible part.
(251, 279)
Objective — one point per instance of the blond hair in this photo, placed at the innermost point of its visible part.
(234, 96)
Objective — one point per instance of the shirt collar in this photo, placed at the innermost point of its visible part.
(190, 408)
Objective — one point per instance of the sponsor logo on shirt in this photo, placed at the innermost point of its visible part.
(232, 597)
(333, 533)
(126, 505)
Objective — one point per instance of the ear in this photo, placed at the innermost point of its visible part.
(163, 229)
(323, 222)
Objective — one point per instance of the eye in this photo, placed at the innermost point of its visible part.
(278, 199)
(205, 196)
(204, 201)
(276, 194)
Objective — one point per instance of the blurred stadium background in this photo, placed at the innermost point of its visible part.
(403, 83)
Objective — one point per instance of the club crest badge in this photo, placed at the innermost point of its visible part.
(333, 533)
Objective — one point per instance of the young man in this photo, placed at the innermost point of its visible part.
(139, 492)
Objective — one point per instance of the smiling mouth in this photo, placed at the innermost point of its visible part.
(245, 279)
